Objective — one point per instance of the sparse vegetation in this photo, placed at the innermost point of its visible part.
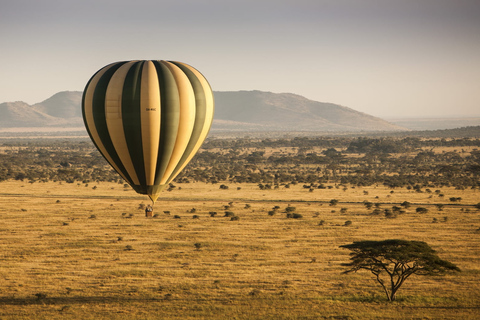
(121, 265)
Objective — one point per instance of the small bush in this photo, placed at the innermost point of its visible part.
(290, 209)
(229, 214)
(348, 223)
(368, 204)
(405, 204)
(40, 296)
(235, 218)
(389, 214)
(421, 210)
(294, 216)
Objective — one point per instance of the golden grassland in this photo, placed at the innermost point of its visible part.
(76, 251)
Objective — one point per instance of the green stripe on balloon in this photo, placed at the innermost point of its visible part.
(98, 110)
(170, 115)
(200, 105)
(131, 119)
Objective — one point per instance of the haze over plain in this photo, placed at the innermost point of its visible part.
(385, 58)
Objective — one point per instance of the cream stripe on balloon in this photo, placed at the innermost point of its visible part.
(150, 119)
(208, 115)
(90, 122)
(113, 115)
(186, 121)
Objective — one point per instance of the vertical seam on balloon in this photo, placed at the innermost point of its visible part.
(89, 119)
(186, 119)
(131, 120)
(169, 118)
(150, 117)
(210, 106)
(200, 113)
(114, 120)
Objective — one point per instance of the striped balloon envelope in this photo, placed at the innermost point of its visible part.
(148, 119)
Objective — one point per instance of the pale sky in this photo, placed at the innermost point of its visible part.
(387, 58)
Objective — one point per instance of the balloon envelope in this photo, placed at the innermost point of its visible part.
(148, 119)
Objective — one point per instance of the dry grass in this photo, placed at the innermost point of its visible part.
(69, 251)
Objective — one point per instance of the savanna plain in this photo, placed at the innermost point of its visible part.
(223, 243)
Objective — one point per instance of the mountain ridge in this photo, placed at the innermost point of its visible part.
(234, 111)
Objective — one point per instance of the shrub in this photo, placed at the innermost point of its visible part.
(333, 202)
(348, 223)
(235, 218)
(421, 210)
(289, 209)
(294, 216)
(368, 204)
(389, 214)
(212, 213)
(405, 204)
(229, 214)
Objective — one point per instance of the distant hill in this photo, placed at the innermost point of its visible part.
(266, 111)
(60, 110)
(66, 105)
(20, 114)
(234, 111)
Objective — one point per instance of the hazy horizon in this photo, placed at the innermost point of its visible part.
(386, 58)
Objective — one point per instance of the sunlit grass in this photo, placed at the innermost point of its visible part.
(83, 253)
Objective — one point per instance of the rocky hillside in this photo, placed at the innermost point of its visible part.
(234, 111)
(257, 110)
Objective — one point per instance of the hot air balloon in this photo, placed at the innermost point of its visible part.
(148, 119)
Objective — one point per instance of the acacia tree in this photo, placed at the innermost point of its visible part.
(393, 261)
